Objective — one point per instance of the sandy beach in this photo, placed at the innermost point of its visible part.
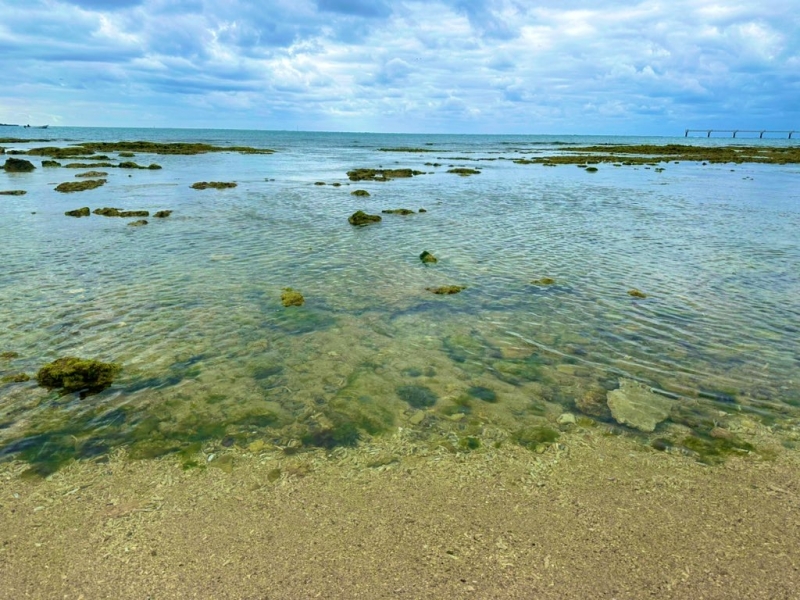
(595, 516)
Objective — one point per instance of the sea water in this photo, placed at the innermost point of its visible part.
(191, 305)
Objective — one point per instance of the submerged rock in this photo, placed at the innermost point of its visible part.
(51, 163)
(464, 172)
(291, 297)
(359, 193)
(360, 218)
(78, 212)
(13, 193)
(427, 257)
(18, 165)
(15, 378)
(134, 213)
(447, 289)
(107, 212)
(544, 281)
(76, 374)
(636, 293)
(633, 404)
(92, 174)
(398, 211)
(138, 223)
(162, 214)
(79, 186)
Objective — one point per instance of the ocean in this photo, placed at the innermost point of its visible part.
(190, 305)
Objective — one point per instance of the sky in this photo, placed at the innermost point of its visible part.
(435, 66)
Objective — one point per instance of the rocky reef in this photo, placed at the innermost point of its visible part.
(398, 211)
(464, 172)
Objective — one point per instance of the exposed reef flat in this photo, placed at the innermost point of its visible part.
(647, 154)
(216, 185)
(381, 174)
(79, 186)
(89, 148)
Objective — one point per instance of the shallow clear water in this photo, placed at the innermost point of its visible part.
(190, 305)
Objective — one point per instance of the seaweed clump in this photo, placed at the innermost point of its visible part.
(291, 297)
(77, 374)
(446, 290)
(18, 165)
(360, 218)
(217, 185)
(15, 378)
(418, 396)
(79, 186)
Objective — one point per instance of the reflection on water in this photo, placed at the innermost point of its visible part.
(190, 305)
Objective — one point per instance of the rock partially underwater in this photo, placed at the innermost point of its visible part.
(18, 165)
(633, 404)
(360, 218)
(72, 374)
(79, 186)
(290, 297)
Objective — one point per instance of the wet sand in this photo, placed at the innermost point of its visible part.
(595, 516)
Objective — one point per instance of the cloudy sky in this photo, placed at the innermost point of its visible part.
(482, 66)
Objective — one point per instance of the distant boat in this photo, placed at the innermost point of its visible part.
(43, 126)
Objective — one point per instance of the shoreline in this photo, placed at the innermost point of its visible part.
(595, 516)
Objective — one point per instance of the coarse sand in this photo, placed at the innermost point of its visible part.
(594, 516)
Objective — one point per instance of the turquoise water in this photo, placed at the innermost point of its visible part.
(190, 305)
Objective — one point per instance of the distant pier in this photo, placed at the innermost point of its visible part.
(734, 132)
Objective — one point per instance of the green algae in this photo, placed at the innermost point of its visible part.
(536, 436)
(418, 396)
(544, 281)
(711, 450)
(216, 185)
(483, 393)
(15, 378)
(79, 186)
(360, 219)
(290, 297)
(72, 374)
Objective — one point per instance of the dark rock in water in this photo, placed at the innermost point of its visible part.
(126, 155)
(464, 172)
(591, 169)
(138, 223)
(319, 183)
(134, 213)
(13, 193)
(336, 184)
(636, 293)
(359, 193)
(92, 174)
(76, 374)
(418, 396)
(427, 257)
(51, 163)
(162, 214)
(398, 211)
(78, 212)
(544, 281)
(130, 165)
(422, 210)
(18, 165)
(217, 185)
(290, 297)
(8, 355)
(482, 393)
(360, 218)
(381, 174)
(107, 212)
(15, 378)
(153, 167)
(97, 165)
(447, 289)
(79, 186)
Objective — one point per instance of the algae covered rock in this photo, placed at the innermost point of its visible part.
(381, 174)
(360, 218)
(216, 185)
(447, 290)
(636, 293)
(15, 378)
(633, 404)
(398, 211)
(427, 257)
(138, 223)
(13, 193)
(134, 213)
(78, 212)
(544, 281)
(51, 163)
(18, 165)
(79, 186)
(359, 193)
(107, 212)
(464, 172)
(77, 374)
(92, 174)
(162, 214)
(291, 297)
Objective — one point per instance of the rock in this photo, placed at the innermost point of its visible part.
(78, 212)
(591, 169)
(79, 186)
(13, 193)
(381, 174)
(18, 165)
(359, 193)
(9, 355)
(290, 297)
(544, 281)
(417, 417)
(427, 257)
(162, 214)
(633, 404)
(566, 419)
(447, 289)
(107, 212)
(134, 213)
(636, 293)
(92, 174)
(217, 185)
(51, 163)
(360, 218)
(593, 402)
(76, 374)
(422, 210)
(319, 183)
(398, 211)
(138, 223)
(464, 172)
